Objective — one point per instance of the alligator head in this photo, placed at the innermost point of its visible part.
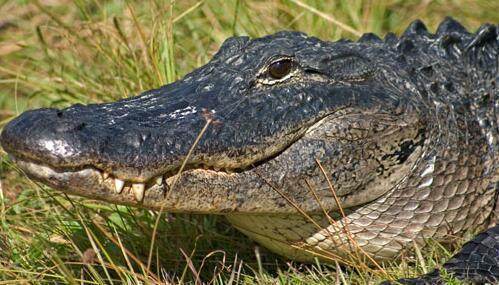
(245, 134)
(264, 97)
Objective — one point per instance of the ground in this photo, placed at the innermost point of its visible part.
(58, 53)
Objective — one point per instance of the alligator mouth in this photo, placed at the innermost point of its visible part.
(59, 151)
(94, 183)
(71, 178)
(67, 178)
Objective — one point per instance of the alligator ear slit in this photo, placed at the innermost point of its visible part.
(313, 71)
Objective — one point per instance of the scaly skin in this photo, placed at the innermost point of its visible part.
(406, 130)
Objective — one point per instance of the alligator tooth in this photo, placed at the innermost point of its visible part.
(159, 180)
(138, 190)
(105, 175)
(118, 185)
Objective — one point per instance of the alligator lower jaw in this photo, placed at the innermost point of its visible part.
(95, 184)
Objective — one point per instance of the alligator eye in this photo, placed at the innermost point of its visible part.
(280, 68)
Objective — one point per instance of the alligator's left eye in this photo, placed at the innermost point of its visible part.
(280, 68)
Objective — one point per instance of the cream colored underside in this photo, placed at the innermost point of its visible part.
(282, 234)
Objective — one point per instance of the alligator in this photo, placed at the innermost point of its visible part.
(306, 146)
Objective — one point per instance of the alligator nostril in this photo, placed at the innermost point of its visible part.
(59, 114)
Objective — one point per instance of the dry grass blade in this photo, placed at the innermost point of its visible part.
(319, 202)
(352, 242)
(340, 275)
(149, 57)
(128, 253)
(209, 120)
(191, 266)
(210, 254)
(291, 202)
(235, 274)
(327, 17)
(320, 253)
(333, 191)
(97, 250)
(188, 11)
(125, 255)
(333, 222)
(2, 200)
(54, 17)
(419, 255)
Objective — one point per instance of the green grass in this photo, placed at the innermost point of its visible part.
(57, 53)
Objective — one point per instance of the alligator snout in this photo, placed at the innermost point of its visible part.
(47, 136)
(134, 139)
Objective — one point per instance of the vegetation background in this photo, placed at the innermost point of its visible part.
(59, 52)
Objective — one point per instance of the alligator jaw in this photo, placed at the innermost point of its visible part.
(154, 194)
(93, 180)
